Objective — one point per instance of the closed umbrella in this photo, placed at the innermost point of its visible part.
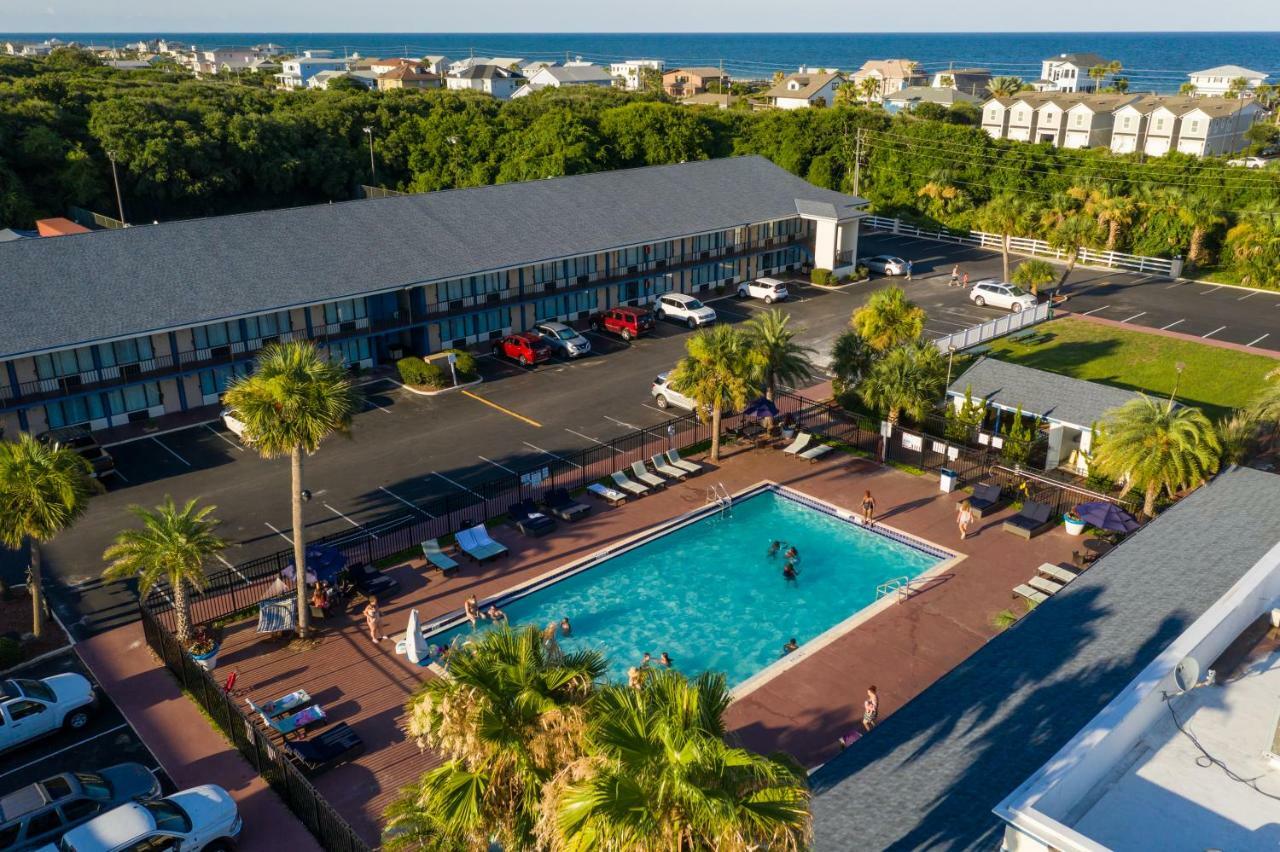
(413, 646)
(1107, 516)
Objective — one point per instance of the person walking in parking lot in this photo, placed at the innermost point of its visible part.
(955, 275)
(964, 280)
(908, 270)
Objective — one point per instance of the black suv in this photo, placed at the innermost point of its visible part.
(80, 439)
(40, 813)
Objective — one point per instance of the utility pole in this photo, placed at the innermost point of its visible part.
(373, 172)
(857, 163)
(115, 178)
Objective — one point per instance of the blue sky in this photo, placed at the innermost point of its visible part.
(689, 16)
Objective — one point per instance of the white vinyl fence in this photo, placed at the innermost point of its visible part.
(998, 327)
(1171, 268)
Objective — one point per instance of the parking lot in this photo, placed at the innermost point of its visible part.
(107, 740)
(407, 449)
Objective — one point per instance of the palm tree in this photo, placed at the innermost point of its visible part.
(909, 378)
(293, 401)
(888, 319)
(1005, 214)
(1237, 434)
(1202, 218)
(1069, 236)
(945, 198)
(1034, 274)
(869, 87)
(1113, 210)
(851, 358)
(173, 545)
(777, 355)
(1004, 87)
(1265, 407)
(1254, 245)
(1237, 87)
(1187, 89)
(510, 715)
(43, 490)
(659, 777)
(716, 373)
(1155, 445)
(1098, 73)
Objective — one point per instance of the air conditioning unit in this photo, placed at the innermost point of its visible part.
(70, 382)
(660, 264)
(456, 304)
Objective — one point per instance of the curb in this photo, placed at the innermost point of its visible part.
(442, 390)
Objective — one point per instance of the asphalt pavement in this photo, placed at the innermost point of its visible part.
(407, 449)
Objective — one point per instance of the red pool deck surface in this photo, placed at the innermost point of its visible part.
(802, 710)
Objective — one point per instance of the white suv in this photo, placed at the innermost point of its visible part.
(203, 817)
(664, 395)
(1001, 295)
(681, 307)
(33, 708)
(769, 289)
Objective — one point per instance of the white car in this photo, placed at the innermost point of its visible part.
(681, 307)
(562, 339)
(885, 264)
(769, 289)
(998, 294)
(30, 709)
(665, 396)
(203, 817)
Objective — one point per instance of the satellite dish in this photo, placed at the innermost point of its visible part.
(1187, 674)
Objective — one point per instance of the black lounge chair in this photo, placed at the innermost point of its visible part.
(325, 750)
(371, 582)
(987, 499)
(564, 507)
(529, 520)
(1034, 519)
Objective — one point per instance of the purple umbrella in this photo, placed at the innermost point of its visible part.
(1107, 516)
(760, 409)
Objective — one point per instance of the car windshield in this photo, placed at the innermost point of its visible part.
(95, 786)
(1017, 291)
(566, 334)
(168, 816)
(35, 689)
(692, 305)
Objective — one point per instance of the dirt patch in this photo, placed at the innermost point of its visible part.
(15, 623)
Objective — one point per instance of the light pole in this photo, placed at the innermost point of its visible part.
(951, 355)
(115, 178)
(373, 172)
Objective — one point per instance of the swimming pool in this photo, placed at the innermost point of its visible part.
(707, 593)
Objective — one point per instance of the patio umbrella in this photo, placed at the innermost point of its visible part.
(1107, 516)
(760, 409)
(323, 564)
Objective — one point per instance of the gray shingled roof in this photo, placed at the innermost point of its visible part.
(1040, 393)
(110, 284)
(930, 774)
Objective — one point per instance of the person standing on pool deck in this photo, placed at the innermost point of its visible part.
(870, 708)
(373, 620)
(964, 517)
(868, 507)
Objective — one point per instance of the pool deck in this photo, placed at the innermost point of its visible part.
(803, 710)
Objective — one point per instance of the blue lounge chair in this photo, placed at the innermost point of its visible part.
(280, 706)
(436, 557)
(476, 543)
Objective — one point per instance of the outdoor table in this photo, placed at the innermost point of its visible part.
(1098, 546)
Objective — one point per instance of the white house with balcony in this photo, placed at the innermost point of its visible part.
(630, 72)
(797, 91)
(297, 73)
(1069, 72)
(1217, 81)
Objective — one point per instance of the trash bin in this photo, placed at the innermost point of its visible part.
(947, 481)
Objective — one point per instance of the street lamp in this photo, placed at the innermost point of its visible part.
(115, 178)
(373, 172)
(951, 355)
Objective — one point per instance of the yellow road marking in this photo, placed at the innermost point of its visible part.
(506, 411)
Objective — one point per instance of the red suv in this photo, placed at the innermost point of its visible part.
(624, 321)
(523, 348)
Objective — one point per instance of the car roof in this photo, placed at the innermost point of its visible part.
(527, 336)
(21, 802)
(679, 297)
(629, 309)
(114, 828)
(553, 325)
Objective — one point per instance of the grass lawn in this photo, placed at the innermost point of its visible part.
(1215, 379)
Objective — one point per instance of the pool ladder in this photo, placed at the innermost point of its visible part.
(901, 585)
(719, 496)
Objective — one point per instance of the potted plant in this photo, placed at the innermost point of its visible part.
(203, 648)
(1074, 523)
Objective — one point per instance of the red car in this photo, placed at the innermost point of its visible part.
(523, 348)
(626, 322)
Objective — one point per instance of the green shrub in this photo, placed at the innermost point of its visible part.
(464, 363)
(10, 652)
(413, 370)
(821, 277)
(861, 273)
(434, 376)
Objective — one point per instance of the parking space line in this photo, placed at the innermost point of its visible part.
(1172, 324)
(98, 735)
(277, 532)
(1215, 331)
(1247, 296)
(220, 558)
(456, 484)
(495, 464)
(623, 423)
(348, 520)
(506, 411)
(1135, 316)
(1095, 310)
(413, 506)
(224, 437)
(171, 452)
(123, 478)
(589, 438)
(1210, 290)
(1259, 340)
(379, 407)
(549, 453)
(654, 408)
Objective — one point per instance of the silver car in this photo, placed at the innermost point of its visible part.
(885, 264)
(562, 339)
(999, 294)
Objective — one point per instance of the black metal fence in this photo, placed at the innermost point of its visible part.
(1061, 495)
(331, 831)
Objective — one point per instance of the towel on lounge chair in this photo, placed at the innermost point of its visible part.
(280, 706)
(610, 496)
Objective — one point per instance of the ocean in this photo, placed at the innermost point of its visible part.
(1152, 61)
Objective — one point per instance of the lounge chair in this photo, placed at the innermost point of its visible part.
(437, 558)
(987, 499)
(620, 479)
(673, 456)
(1054, 572)
(1034, 519)
(816, 452)
(670, 471)
(476, 543)
(280, 706)
(607, 494)
(299, 721)
(799, 445)
(1040, 584)
(564, 507)
(529, 520)
(640, 472)
(327, 749)
(1025, 591)
(371, 582)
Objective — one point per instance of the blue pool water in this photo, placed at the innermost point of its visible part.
(709, 596)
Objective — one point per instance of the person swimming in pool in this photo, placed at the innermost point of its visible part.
(789, 572)
(565, 628)
(792, 554)
(773, 549)
(646, 661)
(494, 614)
(665, 659)
(790, 646)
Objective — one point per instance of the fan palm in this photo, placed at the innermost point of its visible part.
(1069, 236)
(716, 373)
(869, 87)
(851, 358)
(1254, 245)
(1265, 407)
(1005, 214)
(1155, 445)
(1114, 211)
(511, 713)
(1202, 218)
(1237, 435)
(659, 777)
(293, 401)
(888, 319)
(1004, 87)
(43, 490)
(911, 378)
(778, 357)
(173, 545)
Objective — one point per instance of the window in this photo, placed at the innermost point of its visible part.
(556, 306)
(481, 323)
(1159, 124)
(69, 362)
(94, 785)
(1195, 127)
(350, 351)
(215, 381)
(35, 689)
(57, 787)
(22, 709)
(125, 352)
(1079, 119)
(9, 834)
(216, 334)
(73, 412)
(267, 325)
(347, 310)
(155, 843)
(135, 398)
(1126, 122)
(1019, 116)
(79, 809)
(44, 823)
(472, 285)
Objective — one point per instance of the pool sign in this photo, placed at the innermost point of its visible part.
(912, 442)
(535, 477)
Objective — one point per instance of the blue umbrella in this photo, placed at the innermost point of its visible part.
(760, 409)
(1107, 516)
(323, 564)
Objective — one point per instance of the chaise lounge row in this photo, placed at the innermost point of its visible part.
(671, 467)
(804, 447)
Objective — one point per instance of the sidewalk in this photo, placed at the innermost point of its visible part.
(185, 743)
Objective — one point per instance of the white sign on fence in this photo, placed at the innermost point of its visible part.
(912, 442)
